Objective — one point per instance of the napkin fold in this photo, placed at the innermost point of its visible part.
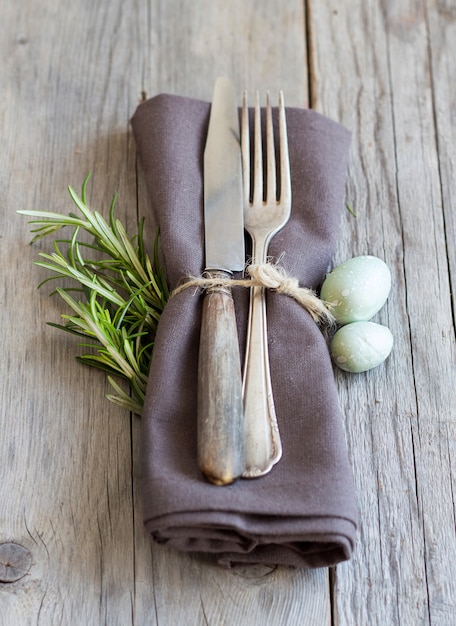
(303, 513)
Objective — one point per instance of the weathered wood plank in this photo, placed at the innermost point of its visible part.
(67, 488)
(258, 44)
(399, 418)
(69, 474)
(441, 22)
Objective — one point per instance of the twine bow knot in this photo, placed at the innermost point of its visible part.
(273, 277)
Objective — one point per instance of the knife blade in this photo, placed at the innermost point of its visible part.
(220, 411)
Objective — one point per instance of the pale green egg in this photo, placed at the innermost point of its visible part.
(357, 289)
(360, 346)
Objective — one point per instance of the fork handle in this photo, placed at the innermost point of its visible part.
(263, 447)
(220, 411)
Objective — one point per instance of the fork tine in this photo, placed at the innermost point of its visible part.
(258, 154)
(270, 154)
(285, 180)
(245, 149)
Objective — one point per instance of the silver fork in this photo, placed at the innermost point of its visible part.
(263, 218)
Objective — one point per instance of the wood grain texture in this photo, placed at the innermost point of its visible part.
(392, 60)
(71, 78)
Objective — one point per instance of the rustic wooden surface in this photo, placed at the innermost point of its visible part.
(72, 546)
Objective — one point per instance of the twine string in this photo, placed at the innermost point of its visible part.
(271, 277)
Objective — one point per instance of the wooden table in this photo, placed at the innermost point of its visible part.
(72, 74)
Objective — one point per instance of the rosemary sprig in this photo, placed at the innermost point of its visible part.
(122, 292)
(349, 209)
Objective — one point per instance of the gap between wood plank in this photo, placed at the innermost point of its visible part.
(310, 73)
(309, 55)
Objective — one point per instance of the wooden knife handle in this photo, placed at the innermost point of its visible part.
(220, 411)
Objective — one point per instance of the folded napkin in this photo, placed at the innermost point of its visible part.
(303, 513)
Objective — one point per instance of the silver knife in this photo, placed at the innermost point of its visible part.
(220, 411)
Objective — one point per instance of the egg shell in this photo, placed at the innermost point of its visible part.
(360, 346)
(357, 289)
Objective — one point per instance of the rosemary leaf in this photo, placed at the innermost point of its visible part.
(122, 292)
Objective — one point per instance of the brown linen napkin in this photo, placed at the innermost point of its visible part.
(303, 513)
